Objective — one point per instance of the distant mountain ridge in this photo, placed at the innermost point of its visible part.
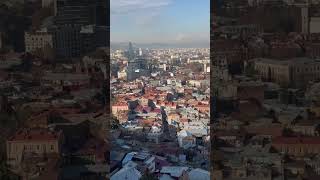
(124, 45)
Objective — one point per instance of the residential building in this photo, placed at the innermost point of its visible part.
(37, 40)
(298, 146)
(39, 141)
(295, 72)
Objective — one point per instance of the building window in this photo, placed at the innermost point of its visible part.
(52, 147)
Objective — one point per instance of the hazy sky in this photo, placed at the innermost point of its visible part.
(160, 21)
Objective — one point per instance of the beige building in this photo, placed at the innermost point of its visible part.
(225, 90)
(314, 24)
(39, 142)
(297, 146)
(273, 70)
(39, 40)
(70, 80)
(116, 108)
(240, 29)
(307, 128)
(295, 72)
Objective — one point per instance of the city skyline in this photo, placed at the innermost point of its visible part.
(165, 22)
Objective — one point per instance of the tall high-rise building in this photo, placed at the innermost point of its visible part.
(131, 54)
(137, 68)
(101, 14)
(81, 12)
(66, 41)
(101, 36)
(70, 12)
(140, 52)
(304, 18)
(81, 26)
(75, 41)
(0, 39)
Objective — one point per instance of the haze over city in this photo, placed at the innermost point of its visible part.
(160, 23)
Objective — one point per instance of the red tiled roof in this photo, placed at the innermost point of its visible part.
(274, 130)
(41, 115)
(171, 104)
(35, 135)
(147, 108)
(229, 133)
(184, 120)
(120, 104)
(66, 110)
(139, 108)
(202, 106)
(157, 110)
(296, 140)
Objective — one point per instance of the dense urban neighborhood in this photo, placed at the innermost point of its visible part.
(265, 89)
(53, 90)
(161, 113)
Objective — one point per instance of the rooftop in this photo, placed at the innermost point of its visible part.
(65, 77)
(296, 140)
(35, 135)
(174, 171)
(299, 61)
